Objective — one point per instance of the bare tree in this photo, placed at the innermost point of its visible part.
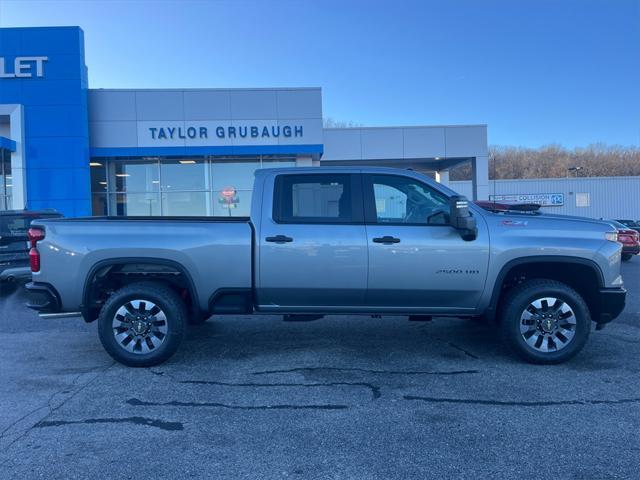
(555, 161)
(329, 122)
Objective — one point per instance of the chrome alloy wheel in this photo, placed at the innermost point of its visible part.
(548, 324)
(139, 326)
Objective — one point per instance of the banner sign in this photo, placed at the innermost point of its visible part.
(543, 199)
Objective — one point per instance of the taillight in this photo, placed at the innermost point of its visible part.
(34, 235)
(34, 260)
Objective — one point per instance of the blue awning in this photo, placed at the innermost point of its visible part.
(8, 144)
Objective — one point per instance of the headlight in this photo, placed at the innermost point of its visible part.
(611, 236)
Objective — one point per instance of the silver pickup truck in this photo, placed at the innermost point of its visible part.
(332, 241)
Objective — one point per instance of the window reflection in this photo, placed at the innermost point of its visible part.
(237, 174)
(184, 174)
(180, 186)
(185, 204)
(134, 177)
(99, 204)
(135, 204)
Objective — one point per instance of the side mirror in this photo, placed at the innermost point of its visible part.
(461, 219)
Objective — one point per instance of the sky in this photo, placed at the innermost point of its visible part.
(535, 71)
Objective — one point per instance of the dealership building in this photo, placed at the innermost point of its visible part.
(89, 151)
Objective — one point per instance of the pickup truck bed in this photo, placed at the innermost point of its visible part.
(211, 252)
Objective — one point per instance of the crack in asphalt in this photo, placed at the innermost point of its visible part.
(49, 406)
(174, 403)
(466, 352)
(364, 370)
(501, 403)
(149, 422)
(375, 390)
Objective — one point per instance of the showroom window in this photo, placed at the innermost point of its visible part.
(177, 186)
(6, 181)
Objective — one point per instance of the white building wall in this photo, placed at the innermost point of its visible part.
(405, 143)
(122, 118)
(609, 197)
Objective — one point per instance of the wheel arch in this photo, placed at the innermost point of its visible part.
(89, 312)
(547, 267)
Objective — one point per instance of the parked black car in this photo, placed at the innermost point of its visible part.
(14, 249)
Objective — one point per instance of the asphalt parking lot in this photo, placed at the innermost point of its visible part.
(341, 397)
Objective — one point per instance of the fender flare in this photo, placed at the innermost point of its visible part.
(507, 267)
(84, 307)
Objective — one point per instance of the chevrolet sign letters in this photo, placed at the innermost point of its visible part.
(22, 67)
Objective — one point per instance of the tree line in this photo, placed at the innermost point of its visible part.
(555, 161)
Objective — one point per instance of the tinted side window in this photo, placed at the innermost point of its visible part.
(405, 200)
(323, 198)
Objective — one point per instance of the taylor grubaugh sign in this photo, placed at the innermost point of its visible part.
(542, 199)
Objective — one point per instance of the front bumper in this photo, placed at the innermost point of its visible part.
(43, 297)
(609, 304)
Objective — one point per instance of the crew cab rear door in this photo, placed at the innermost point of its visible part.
(416, 259)
(312, 245)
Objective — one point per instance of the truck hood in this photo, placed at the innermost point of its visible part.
(568, 224)
(571, 218)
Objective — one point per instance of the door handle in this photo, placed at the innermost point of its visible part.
(279, 239)
(387, 240)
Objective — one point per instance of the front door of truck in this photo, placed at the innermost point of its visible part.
(313, 246)
(415, 258)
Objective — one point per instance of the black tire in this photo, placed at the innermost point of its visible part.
(169, 303)
(518, 300)
(626, 257)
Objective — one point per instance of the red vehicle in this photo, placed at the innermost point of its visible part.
(629, 238)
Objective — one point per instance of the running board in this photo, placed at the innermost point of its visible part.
(59, 315)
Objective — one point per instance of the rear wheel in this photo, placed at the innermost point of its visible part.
(626, 257)
(545, 321)
(142, 324)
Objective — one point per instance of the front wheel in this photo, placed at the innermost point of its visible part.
(626, 257)
(142, 324)
(545, 321)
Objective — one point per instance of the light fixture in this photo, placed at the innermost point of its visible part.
(155, 181)
(95, 164)
(437, 158)
(123, 174)
(184, 162)
(103, 183)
